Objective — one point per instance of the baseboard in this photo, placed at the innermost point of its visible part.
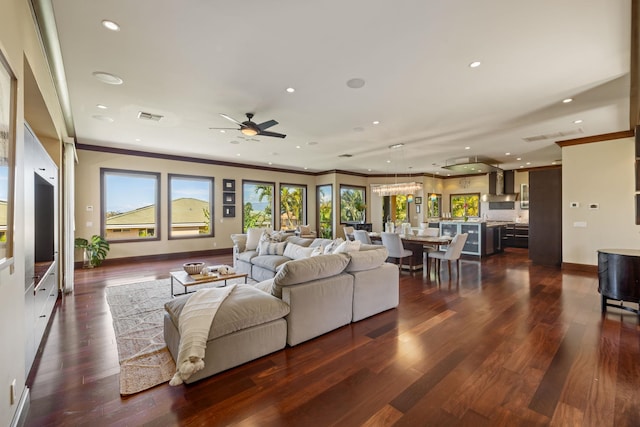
(20, 416)
(585, 268)
(163, 257)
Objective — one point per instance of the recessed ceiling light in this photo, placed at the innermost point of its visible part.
(437, 173)
(528, 163)
(223, 131)
(475, 64)
(388, 161)
(290, 90)
(467, 148)
(553, 163)
(270, 163)
(376, 122)
(507, 154)
(305, 168)
(369, 169)
(521, 166)
(102, 107)
(103, 118)
(238, 154)
(356, 83)
(393, 146)
(107, 78)
(297, 146)
(567, 100)
(577, 121)
(519, 158)
(110, 25)
(138, 140)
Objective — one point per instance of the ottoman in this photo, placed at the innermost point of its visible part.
(249, 324)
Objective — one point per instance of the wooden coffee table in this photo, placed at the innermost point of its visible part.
(186, 280)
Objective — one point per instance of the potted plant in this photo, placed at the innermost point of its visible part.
(94, 250)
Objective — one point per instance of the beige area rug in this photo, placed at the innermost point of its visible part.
(137, 310)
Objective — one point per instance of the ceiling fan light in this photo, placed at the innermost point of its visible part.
(249, 131)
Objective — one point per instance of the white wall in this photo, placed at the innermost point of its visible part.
(19, 42)
(601, 173)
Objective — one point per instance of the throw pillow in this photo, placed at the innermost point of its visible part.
(305, 229)
(318, 250)
(348, 246)
(239, 241)
(333, 245)
(272, 236)
(270, 248)
(294, 251)
(253, 238)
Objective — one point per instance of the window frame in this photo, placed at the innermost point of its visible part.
(304, 201)
(319, 205)
(211, 181)
(273, 200)
(364, 201)
(103, 205)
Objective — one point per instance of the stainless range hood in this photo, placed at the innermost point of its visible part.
(499, 195)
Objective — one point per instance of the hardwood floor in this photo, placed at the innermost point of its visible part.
(512, 344)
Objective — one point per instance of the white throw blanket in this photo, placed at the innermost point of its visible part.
(195, 321)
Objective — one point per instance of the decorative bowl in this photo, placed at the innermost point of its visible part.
(193, 267)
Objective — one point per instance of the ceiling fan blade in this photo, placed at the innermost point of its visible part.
(274, 134)
(224, 128)
(267, 124)
(231, 119)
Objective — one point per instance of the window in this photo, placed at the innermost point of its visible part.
(394, 208)
(434, 202)
(257, 204)
(190, 206)
(293, 206)
(352, 204)
(465, 205)
(130, 205)
(324, 196)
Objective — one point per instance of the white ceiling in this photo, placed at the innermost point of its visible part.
(191, 60)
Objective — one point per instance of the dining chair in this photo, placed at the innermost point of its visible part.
(362, 236)
(453, 253)
(429, 247)
(393, 243)
(348, 232)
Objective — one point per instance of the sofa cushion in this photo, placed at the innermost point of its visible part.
(308, 269)
(348, 246)
(269, 262)
(367, 260)
(253, 238)
(270, 248)
(300, 241)
(333, 245)
(243, 308)
(320, 242)
(240, 241)
(247, 256)
(264, 286)
(294, 251)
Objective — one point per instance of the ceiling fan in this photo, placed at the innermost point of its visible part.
(251, 128)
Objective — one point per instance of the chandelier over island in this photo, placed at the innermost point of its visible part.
(395, 189)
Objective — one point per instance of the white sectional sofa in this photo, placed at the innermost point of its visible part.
(307, 297)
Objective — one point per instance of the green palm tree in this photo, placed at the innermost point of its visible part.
(291, 206)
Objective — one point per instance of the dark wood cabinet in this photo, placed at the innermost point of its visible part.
(545, 216)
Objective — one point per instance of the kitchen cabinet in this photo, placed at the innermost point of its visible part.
(516, 235)
(476, 235)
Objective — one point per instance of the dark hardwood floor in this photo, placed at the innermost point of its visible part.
(513, 344)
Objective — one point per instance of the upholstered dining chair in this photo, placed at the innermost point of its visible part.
(393, 243)
(453, 253)
(348, 232)
(429, 247)
(362, 236)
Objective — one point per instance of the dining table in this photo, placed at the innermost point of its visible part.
(416, 244)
